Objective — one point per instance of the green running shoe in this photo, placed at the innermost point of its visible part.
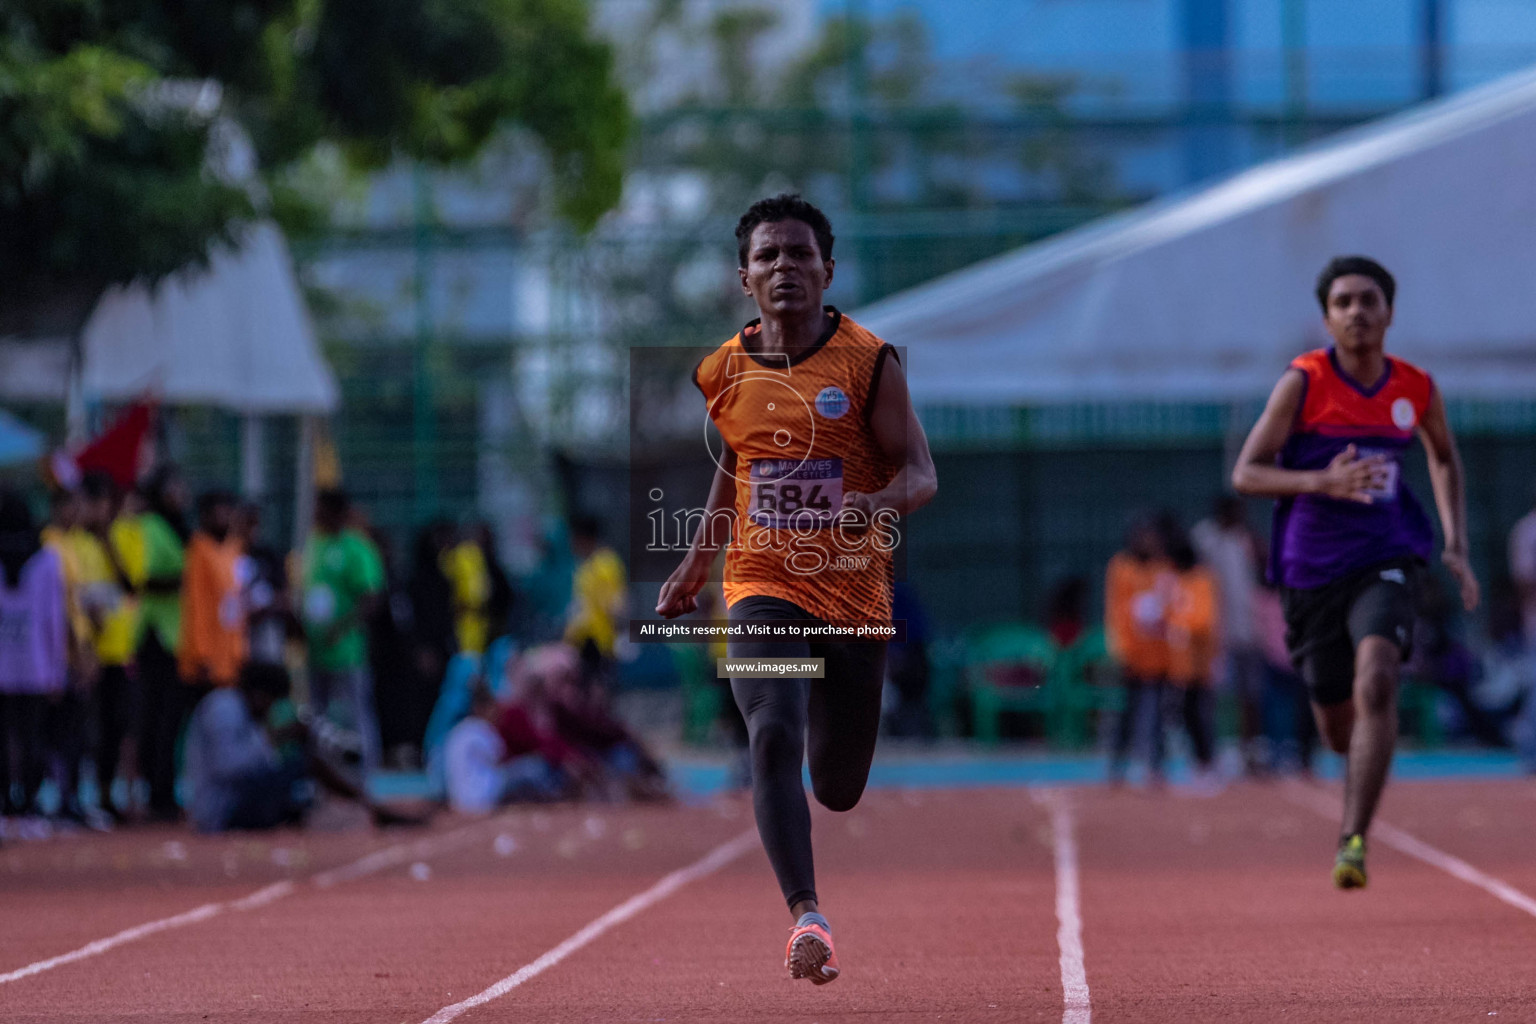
(1349, 865)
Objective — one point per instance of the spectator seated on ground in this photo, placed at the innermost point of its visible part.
(235, 773)
(482, 771)
(553, 679)
(464, 674)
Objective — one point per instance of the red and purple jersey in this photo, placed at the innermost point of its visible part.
(1318, 539)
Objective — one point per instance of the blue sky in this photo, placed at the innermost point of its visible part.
(1361, 51)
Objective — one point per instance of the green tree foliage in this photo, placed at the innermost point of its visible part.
(925, 166)
(115, 115)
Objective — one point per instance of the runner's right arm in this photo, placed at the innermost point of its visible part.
(679, 593)
(1348, 476)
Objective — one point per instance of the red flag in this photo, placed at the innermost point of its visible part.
(118, 450)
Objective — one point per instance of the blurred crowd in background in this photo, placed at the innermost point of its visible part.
(160, 661)
(1190, 613)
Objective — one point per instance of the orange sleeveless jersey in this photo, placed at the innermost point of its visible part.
(1335, 406)
(801, 434)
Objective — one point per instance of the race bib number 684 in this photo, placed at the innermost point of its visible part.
(803, 495)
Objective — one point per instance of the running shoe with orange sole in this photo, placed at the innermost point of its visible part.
(810, 955)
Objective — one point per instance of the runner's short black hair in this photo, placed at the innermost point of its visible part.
(784, 206)
(1340, 266)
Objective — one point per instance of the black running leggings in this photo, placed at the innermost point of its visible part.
(838, 717)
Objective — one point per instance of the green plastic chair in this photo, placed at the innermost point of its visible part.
(1007, 668)
(1084, 687)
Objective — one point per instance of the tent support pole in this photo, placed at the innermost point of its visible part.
(253, 457)
(304, 482)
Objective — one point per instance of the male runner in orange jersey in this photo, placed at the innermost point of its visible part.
(822, 452)
(1349, 537)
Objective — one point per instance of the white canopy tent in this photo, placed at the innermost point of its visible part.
(236, 335)
(1205, 298)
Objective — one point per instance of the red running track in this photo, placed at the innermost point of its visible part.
(944, 905)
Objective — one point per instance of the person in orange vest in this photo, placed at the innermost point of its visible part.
(213, 640)
(1193, 631)
(1136, 592)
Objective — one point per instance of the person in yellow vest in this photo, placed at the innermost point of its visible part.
(597, 601)
(464, 565)
(108, 601)
(64, 516)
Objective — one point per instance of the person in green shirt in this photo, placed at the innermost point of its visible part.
(343, 582)
(167, 701)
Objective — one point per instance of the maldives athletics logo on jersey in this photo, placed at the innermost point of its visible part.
(1403, 415)
(832, 403)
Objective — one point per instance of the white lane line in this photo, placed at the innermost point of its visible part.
(261, 897)
(708, 864)
(1413, 846)
(394, 856)
(100, 946)
(367, 865)
(1075, 1005)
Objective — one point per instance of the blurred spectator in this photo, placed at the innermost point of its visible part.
(1193, 627)
(1269, 630)
(1441, 659)
(113, 612)
(565, 719)
(1230, 549)
(343, 580)
(213, 642)
(711, 608)
(464, 565)
(481, 774)
(498, 605)
(235, 778)
(582, 720)
(545, 610)
(63, 517)
(597, 601)
(243, 774)
(1522, 569)
(1135, 625)
(435, 635)
(34, 650)
(65, 712)
(1510, 665)
(162, 534)
(908, 667)
(263, 576)
(405, 691)
(389, 659)
(1066, 612)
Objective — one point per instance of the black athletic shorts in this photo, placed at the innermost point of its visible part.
(1325, 624)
